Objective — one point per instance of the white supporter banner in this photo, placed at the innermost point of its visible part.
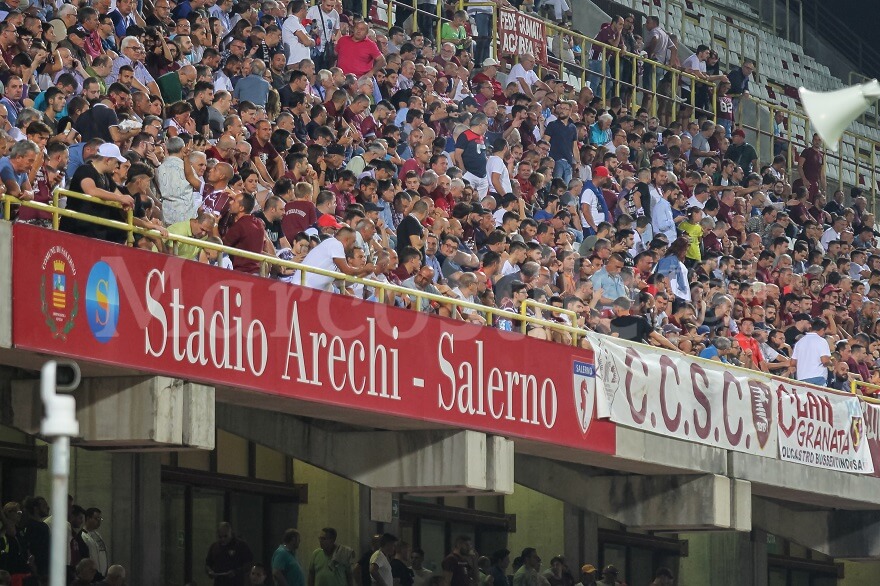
(822, 429)
(671, 394)
(705, 402)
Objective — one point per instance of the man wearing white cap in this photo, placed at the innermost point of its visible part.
(93, 178)
(487, 75)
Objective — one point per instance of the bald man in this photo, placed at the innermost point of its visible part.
(171, 84)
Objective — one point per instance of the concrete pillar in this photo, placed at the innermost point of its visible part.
(581, 534)
(724, 559)
(836, 533)
(136, 515)
(129, 412)
(662, 502)
(431, 462)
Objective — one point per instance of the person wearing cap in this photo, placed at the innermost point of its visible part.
(800, 325)
(93, 178)
(588, 575)
(811, 354)
(741, 152)
(609, 576)
(487, 76)
(594, 209)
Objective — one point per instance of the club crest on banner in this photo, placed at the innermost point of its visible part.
(59, 292)
(584, 379)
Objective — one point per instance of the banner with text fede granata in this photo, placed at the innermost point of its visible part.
(521, 34)
(696, 400)
(100, 302)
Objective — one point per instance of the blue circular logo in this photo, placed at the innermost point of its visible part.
(102, 302)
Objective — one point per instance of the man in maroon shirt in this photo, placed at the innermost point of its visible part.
(265, 158)
(247, 233)
(459, 567)
(487, 76)
(421, 157)
(343, 190)
(812, 168)
(216, 201)
(358, 116)
(299, 213)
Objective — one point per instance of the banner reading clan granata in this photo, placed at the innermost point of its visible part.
(698, 400)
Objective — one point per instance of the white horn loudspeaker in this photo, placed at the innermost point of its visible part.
(832, 112)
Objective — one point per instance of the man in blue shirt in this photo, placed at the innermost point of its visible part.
(717, 350)
(285, 567)
(253, 88)
(562, 136)
(608, 280)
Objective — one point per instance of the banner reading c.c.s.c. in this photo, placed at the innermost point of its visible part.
(676, 395)
(100, 302)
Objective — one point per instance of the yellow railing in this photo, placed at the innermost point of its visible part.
(854, 78)
(743, 34)
(612, 57)
(856, 385)
(572, 316)
(383, 290)
(413, 6)
(863, 147)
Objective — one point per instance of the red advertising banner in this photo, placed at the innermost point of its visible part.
(521, 34)
(94, 301)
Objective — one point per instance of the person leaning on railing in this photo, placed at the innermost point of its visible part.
(15, 167)
(93, 178)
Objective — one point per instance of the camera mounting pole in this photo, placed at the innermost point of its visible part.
(59, 424)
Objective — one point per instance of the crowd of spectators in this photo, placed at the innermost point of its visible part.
(26, 553)
(300, 132)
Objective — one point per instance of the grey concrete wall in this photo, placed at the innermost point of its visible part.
(425, 462)
(6, 285)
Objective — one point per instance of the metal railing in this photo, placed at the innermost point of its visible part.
(865, 150)
(854, 78)
(744, 34)
(607, 69)
(572, 316)
(383, 290)
(413, 10)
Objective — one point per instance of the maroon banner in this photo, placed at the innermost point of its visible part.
(521, 34)
(100, 302)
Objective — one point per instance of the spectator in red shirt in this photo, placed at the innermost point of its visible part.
(300, 212)
(421, 156)
(342, 190)
(749, 344)
(812, 168)
(487, 76)
(247, 233)
(357, 54)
